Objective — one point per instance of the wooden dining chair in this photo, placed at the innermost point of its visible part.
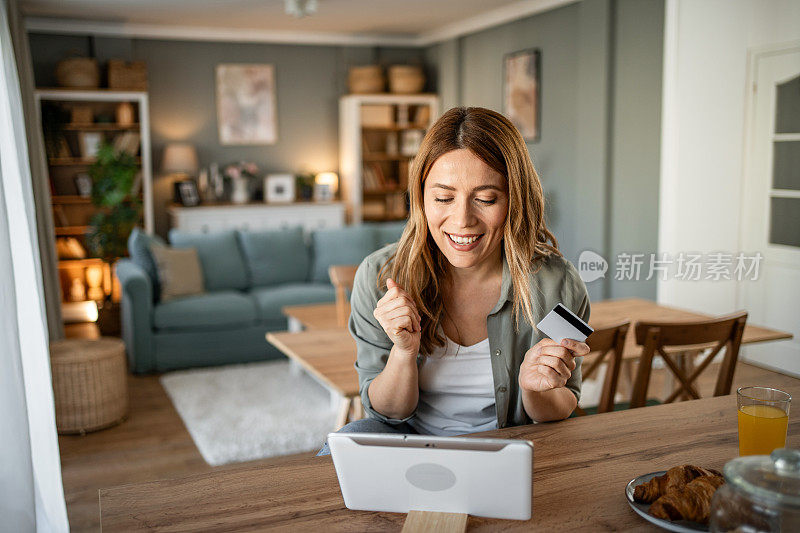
(606, 345)
(677, 343)
(342, 277)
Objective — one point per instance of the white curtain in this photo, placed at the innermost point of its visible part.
(31, 493)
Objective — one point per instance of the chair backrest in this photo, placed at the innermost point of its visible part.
(658, 338)
(342, 277)
(608, 344)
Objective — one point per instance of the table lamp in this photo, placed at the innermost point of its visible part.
(180, 158)
(326, 186)
(180, 162)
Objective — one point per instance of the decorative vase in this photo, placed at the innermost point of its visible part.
(241, 191)
(125, 114)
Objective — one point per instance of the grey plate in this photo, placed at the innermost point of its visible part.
(681, 526)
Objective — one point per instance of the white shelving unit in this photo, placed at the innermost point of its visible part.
(140, 100)
(366, 145)
(75, 210)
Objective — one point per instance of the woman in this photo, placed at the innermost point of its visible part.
(443, 319)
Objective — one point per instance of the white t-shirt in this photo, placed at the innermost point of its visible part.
(456, 391)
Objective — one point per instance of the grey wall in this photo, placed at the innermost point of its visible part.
(636, 152)
(598, 156)
(309, 82)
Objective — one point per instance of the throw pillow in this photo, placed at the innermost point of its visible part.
(179, 271)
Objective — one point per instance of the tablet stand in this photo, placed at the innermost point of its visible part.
(419, 521)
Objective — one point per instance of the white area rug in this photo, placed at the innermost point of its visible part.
(252, 411)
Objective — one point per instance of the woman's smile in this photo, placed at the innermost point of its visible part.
(463, 243)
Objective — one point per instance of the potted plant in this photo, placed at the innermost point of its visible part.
(305, 186)
(114, 195)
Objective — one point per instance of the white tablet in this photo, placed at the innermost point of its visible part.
(399, 473)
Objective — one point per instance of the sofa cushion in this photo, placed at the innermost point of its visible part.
(222, 261)
(273, 257)
(340, 246)
(139, 244)
(388, 232)
(270, 300)
(213, 309)
(178, 271)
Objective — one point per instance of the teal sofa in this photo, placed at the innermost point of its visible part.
(248, 276)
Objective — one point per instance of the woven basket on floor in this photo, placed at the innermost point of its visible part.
(89, 383)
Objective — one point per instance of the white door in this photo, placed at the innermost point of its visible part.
(771, 206)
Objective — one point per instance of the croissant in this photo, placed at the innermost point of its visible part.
(692, 502)
(675, 478)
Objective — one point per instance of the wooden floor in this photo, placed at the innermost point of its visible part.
(154, 444)
(151, 444)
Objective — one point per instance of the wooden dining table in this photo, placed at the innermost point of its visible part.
(603, 313)
(328, 352)
(581, 468)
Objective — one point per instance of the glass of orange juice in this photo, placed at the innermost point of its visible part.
(763, 419)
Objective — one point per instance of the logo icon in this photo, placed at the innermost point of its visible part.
(591, 266)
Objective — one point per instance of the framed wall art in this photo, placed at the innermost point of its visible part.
(246, 107)
(522, 92)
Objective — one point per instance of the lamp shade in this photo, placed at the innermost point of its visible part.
(180, 157)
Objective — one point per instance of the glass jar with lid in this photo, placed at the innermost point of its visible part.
(761, 493)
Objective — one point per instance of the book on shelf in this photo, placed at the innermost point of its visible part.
(60, 215)
(374, 180)
(402, 174)
(369, 181)
(422, 116)
(127, 142)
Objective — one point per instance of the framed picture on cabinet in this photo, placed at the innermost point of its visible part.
(186, 193)
(279, 188)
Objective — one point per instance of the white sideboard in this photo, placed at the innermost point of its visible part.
(253, 217)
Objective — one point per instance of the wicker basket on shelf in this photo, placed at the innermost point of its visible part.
(89, 383)
(78, 73)
(124, 75)
(366, 79)
(406, 79)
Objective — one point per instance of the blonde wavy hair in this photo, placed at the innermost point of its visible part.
(419, 266)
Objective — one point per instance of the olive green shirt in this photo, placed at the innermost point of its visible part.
(557, 281)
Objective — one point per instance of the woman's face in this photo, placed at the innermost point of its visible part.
(465, 202)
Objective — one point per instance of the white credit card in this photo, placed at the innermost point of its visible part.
(561, 323)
